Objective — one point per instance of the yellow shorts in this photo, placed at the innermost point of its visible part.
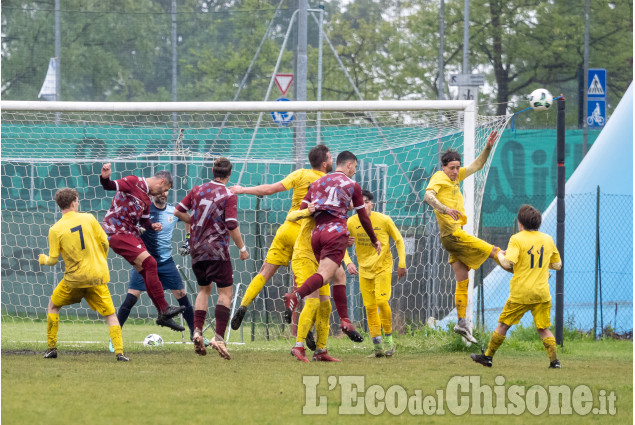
(303, 268)
(466, 248)
(513, 312)
(281, 248)
(377, 289)
(97, 297)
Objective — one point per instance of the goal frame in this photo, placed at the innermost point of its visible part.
(468, 107)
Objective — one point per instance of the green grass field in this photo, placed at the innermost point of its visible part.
(263, 384)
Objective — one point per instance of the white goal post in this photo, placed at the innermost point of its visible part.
(47, 145)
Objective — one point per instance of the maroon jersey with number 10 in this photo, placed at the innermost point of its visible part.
(214, 215)
(332, 194)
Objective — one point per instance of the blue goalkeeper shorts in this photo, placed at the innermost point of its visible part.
(168, 275)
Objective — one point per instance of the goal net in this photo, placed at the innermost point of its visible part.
(50, 145)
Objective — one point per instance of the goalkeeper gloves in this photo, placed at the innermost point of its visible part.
(185, 248)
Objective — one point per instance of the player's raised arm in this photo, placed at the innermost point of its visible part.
(124, 185)
(260, 190)
(480, 161)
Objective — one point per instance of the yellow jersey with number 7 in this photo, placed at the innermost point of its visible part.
(84, 248)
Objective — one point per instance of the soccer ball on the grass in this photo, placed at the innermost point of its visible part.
(540, 99)
(153, 340)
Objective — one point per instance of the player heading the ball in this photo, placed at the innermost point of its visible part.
(131, 207)
(281, 249)
(331, 195)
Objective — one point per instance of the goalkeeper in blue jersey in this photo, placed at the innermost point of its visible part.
(84, 248)
(159, 245)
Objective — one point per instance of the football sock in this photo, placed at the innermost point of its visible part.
(388, 340)
(115, 337)
(312, 284)
(188, 314)
(322, 324)
(153, 284)
(254, 288)
(372, 316)
(377, 340)
(221, 313)
(341, 304)
(460, 298)
(126, 306)
(52, 325)
(385, 313)
(494, 344)
(199, 319)
(550, 346)
(307, 318)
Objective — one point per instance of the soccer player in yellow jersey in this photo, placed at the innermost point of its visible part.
(84, 248)
(466, 251)
(529, 255)
(375, 272)
(317, 305)
(281, 248)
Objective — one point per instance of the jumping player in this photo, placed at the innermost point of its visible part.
(131, 207)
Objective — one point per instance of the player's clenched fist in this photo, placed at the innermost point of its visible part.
(105, 170)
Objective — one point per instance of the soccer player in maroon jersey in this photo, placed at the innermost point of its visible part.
(131, 207)
(331, 196)
(213, 221)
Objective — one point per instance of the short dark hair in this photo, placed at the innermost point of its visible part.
(449, 156)
(529, 217)
(164, 174)
(318, 155)
(368, 194)
(65, 197)
(345, 156)
(222, 168)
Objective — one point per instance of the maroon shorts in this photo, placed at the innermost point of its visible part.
(127, 245)
(217, 271)
(329, 241)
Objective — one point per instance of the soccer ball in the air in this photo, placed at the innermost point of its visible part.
(153, 340)
(540, 99)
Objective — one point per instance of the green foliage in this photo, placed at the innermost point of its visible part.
(122, 50)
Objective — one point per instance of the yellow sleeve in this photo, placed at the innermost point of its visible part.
(347, 258)
(100, 235)
(54, 250)
(297, 215)
(291, 180)
(555, 256)
(435, 183)
(513, 250)
(351, 227)
(462, 174)
(396, 236)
